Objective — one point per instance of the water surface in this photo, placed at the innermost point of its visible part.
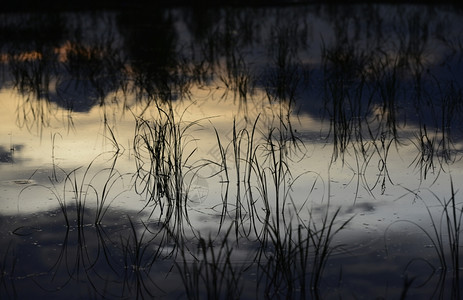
(291, 152)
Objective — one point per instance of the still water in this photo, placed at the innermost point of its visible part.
(291, 152)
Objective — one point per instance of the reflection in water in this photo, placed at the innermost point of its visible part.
(275, 153)
(6, 156)
(157, 68)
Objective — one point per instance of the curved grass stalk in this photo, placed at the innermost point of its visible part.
(210, 272)
(162, 156)
(450, 225)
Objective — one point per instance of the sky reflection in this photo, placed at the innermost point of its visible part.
(159, 140)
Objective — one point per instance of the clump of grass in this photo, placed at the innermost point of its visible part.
(291, 257)
(163, 150)
(136, 248)
(237, 78)
(428, 153)
(81, 188)
(7, 269)
(291, 263)
(139, 256)
(261, 170)
(445, 236)
(210, 272)
(286, 72)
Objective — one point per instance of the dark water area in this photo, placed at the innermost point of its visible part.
(292, 150)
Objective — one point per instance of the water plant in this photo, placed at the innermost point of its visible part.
(7, 268)
(210, 271)
(140, 251)
(292, 262)
(163, 148)
(264, 234)
(444, 235)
